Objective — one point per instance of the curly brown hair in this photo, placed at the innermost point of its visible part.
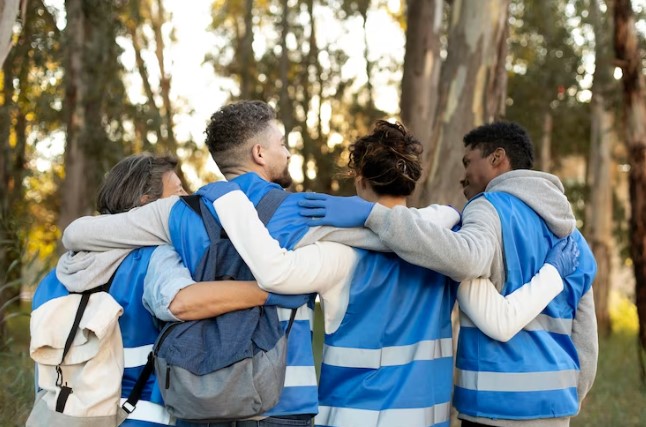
(388, 158)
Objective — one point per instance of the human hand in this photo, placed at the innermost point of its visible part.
(287, 301)
(335, 211)
(564, 256)
(215, 190)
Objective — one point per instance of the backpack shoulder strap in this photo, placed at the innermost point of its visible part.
(269, 203)
(60, 381)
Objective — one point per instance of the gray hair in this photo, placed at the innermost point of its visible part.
(231, 127)
(134, 181)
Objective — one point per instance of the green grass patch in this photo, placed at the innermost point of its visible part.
(617, 397)
(16, 370)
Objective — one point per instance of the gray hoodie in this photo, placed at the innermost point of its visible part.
(476, 251)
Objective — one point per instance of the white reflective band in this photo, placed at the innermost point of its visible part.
(342, 417)
(542, 322)
(387, 356)
(136, 356)
(151, 412)
(516, 381)
(299, 376)
(303, 313)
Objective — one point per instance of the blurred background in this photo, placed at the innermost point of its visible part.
(87, 82)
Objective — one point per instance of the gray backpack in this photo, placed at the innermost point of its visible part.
(232, 366)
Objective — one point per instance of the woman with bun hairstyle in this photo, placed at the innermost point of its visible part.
(388, 353)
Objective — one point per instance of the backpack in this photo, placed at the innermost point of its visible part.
(228, 367)
(80, 380)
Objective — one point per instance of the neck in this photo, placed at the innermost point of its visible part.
(234, 172)
(392, 201)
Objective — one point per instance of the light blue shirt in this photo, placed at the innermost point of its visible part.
(166, 276)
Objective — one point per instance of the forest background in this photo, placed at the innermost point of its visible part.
(87, 82)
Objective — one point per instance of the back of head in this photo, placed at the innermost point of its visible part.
(134, 181)
(509, 136)
(231, 127)
(388, 159)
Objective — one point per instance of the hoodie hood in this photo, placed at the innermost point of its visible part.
(80, 271)
(543, 192)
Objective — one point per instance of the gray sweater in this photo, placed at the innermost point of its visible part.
(476, 251)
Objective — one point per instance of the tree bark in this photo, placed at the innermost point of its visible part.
(472, 92)
(89, 49)
(599, 177)
(8, 14)
(628, 54)
(422, 65)
(546, 141)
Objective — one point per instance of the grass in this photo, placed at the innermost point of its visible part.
(16, 370)
(617, 398)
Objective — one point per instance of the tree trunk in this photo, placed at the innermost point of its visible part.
(8, 14)
(285, 103)
(546, 141)
(472, 92)
(157, 19)
(628, 54)
(599, 177)
(90, 46)
(422, 65)
(247, 60)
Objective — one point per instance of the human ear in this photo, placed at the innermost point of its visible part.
(257, 154)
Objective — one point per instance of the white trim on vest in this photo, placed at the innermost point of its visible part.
(150, 412)
(300, 376)
(542, 322)
(341, 417)
(348, 357)
(516, 381)
(134, 357)
(302, 313)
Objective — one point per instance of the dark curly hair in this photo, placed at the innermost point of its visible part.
(131, 179)
(388, 158)
(510, 136)
(232, 126)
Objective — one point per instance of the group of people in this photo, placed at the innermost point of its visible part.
(387, 277)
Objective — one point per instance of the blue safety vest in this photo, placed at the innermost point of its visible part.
(390, 362)
(535, 374)
(190, 240)
(138, 331)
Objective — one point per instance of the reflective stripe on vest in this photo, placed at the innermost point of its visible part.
(343, 417)
(136, 356)
(542, 322)
(387, 356)
(150, 412)
(516, 381)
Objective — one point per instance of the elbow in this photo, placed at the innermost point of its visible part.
(179, 308)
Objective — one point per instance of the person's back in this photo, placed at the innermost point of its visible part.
(538, 369)
(134, 181)
(138, 332)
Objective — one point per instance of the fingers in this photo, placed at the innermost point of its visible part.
(312, 212)
(314, 196)
(312, 203)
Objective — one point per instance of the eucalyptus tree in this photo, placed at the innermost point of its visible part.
(629, 57)
(472, 92)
